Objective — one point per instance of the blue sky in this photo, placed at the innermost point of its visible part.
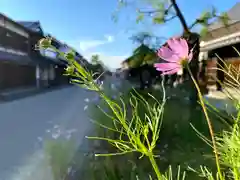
(87, 24)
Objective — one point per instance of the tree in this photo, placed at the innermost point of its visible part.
(97, 66)
(162, 11)
(141, 55)
(145, 51)
(148, 39)
(95, 59)
(142, 59)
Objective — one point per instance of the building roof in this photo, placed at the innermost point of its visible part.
(14, 22)
(32, 25)
(233, 14)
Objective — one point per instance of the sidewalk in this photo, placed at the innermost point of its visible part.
(19, 93)
(224, 94)
(221, 100)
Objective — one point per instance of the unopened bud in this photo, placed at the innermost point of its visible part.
(70, 69)
(44, 43)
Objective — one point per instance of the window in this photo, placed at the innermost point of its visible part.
(15, 29)
(12, 51)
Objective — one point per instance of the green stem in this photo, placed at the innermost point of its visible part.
(235, 173)
(209, 123)
(234, 131)
(125, 126)
(155, 166)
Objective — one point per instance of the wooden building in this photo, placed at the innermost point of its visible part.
(16, 66)
(49, 67)
(220, 40)
(21, 64)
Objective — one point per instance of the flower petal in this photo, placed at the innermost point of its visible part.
(174, 59)
(185, 48)
(170, 72)
(174, 45)
(166, 66)
(179, 46)
(168, 55)
(164, 52)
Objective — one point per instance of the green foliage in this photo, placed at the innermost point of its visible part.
(204, 18)
(229, 147)
(204, 31)
(95, 59)
(59, 154)
(96, 65)
(160, 16)
(163, 11)
(142, 38)
(138, 127)
(224, 19)
(96, 110)
(184, 147)
(140, 17)
(158, 20)
(209, 17)
(141, 55)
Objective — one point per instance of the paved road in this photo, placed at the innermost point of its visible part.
(25, 123)
(221, 99)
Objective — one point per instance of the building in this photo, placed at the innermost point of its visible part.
(63, 47)
(220, 40)
(16, 67)
(22, 65)
(49, 67)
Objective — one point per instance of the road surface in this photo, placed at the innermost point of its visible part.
(25, 123)
(220, 99)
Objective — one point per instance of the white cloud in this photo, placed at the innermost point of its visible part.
(109, 38)
(90, 44)
(111, 61)
(89, 47)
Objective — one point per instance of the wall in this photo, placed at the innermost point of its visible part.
(5, 22)
(14, 39)
(211, 72)
(14, 76)
(10, 39)
(234, 69)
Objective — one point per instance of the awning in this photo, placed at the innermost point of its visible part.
(19, 59)
(38, 59)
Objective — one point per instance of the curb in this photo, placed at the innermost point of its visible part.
(35, 92)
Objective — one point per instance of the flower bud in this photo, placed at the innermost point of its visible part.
(44, 43)
(70, 69)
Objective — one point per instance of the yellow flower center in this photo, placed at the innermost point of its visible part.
(184, 62)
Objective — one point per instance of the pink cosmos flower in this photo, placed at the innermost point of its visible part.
(176, 53)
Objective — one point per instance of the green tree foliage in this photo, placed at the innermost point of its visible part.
(96, 65)
(162, 11)
(95, 59)
(143, 54)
